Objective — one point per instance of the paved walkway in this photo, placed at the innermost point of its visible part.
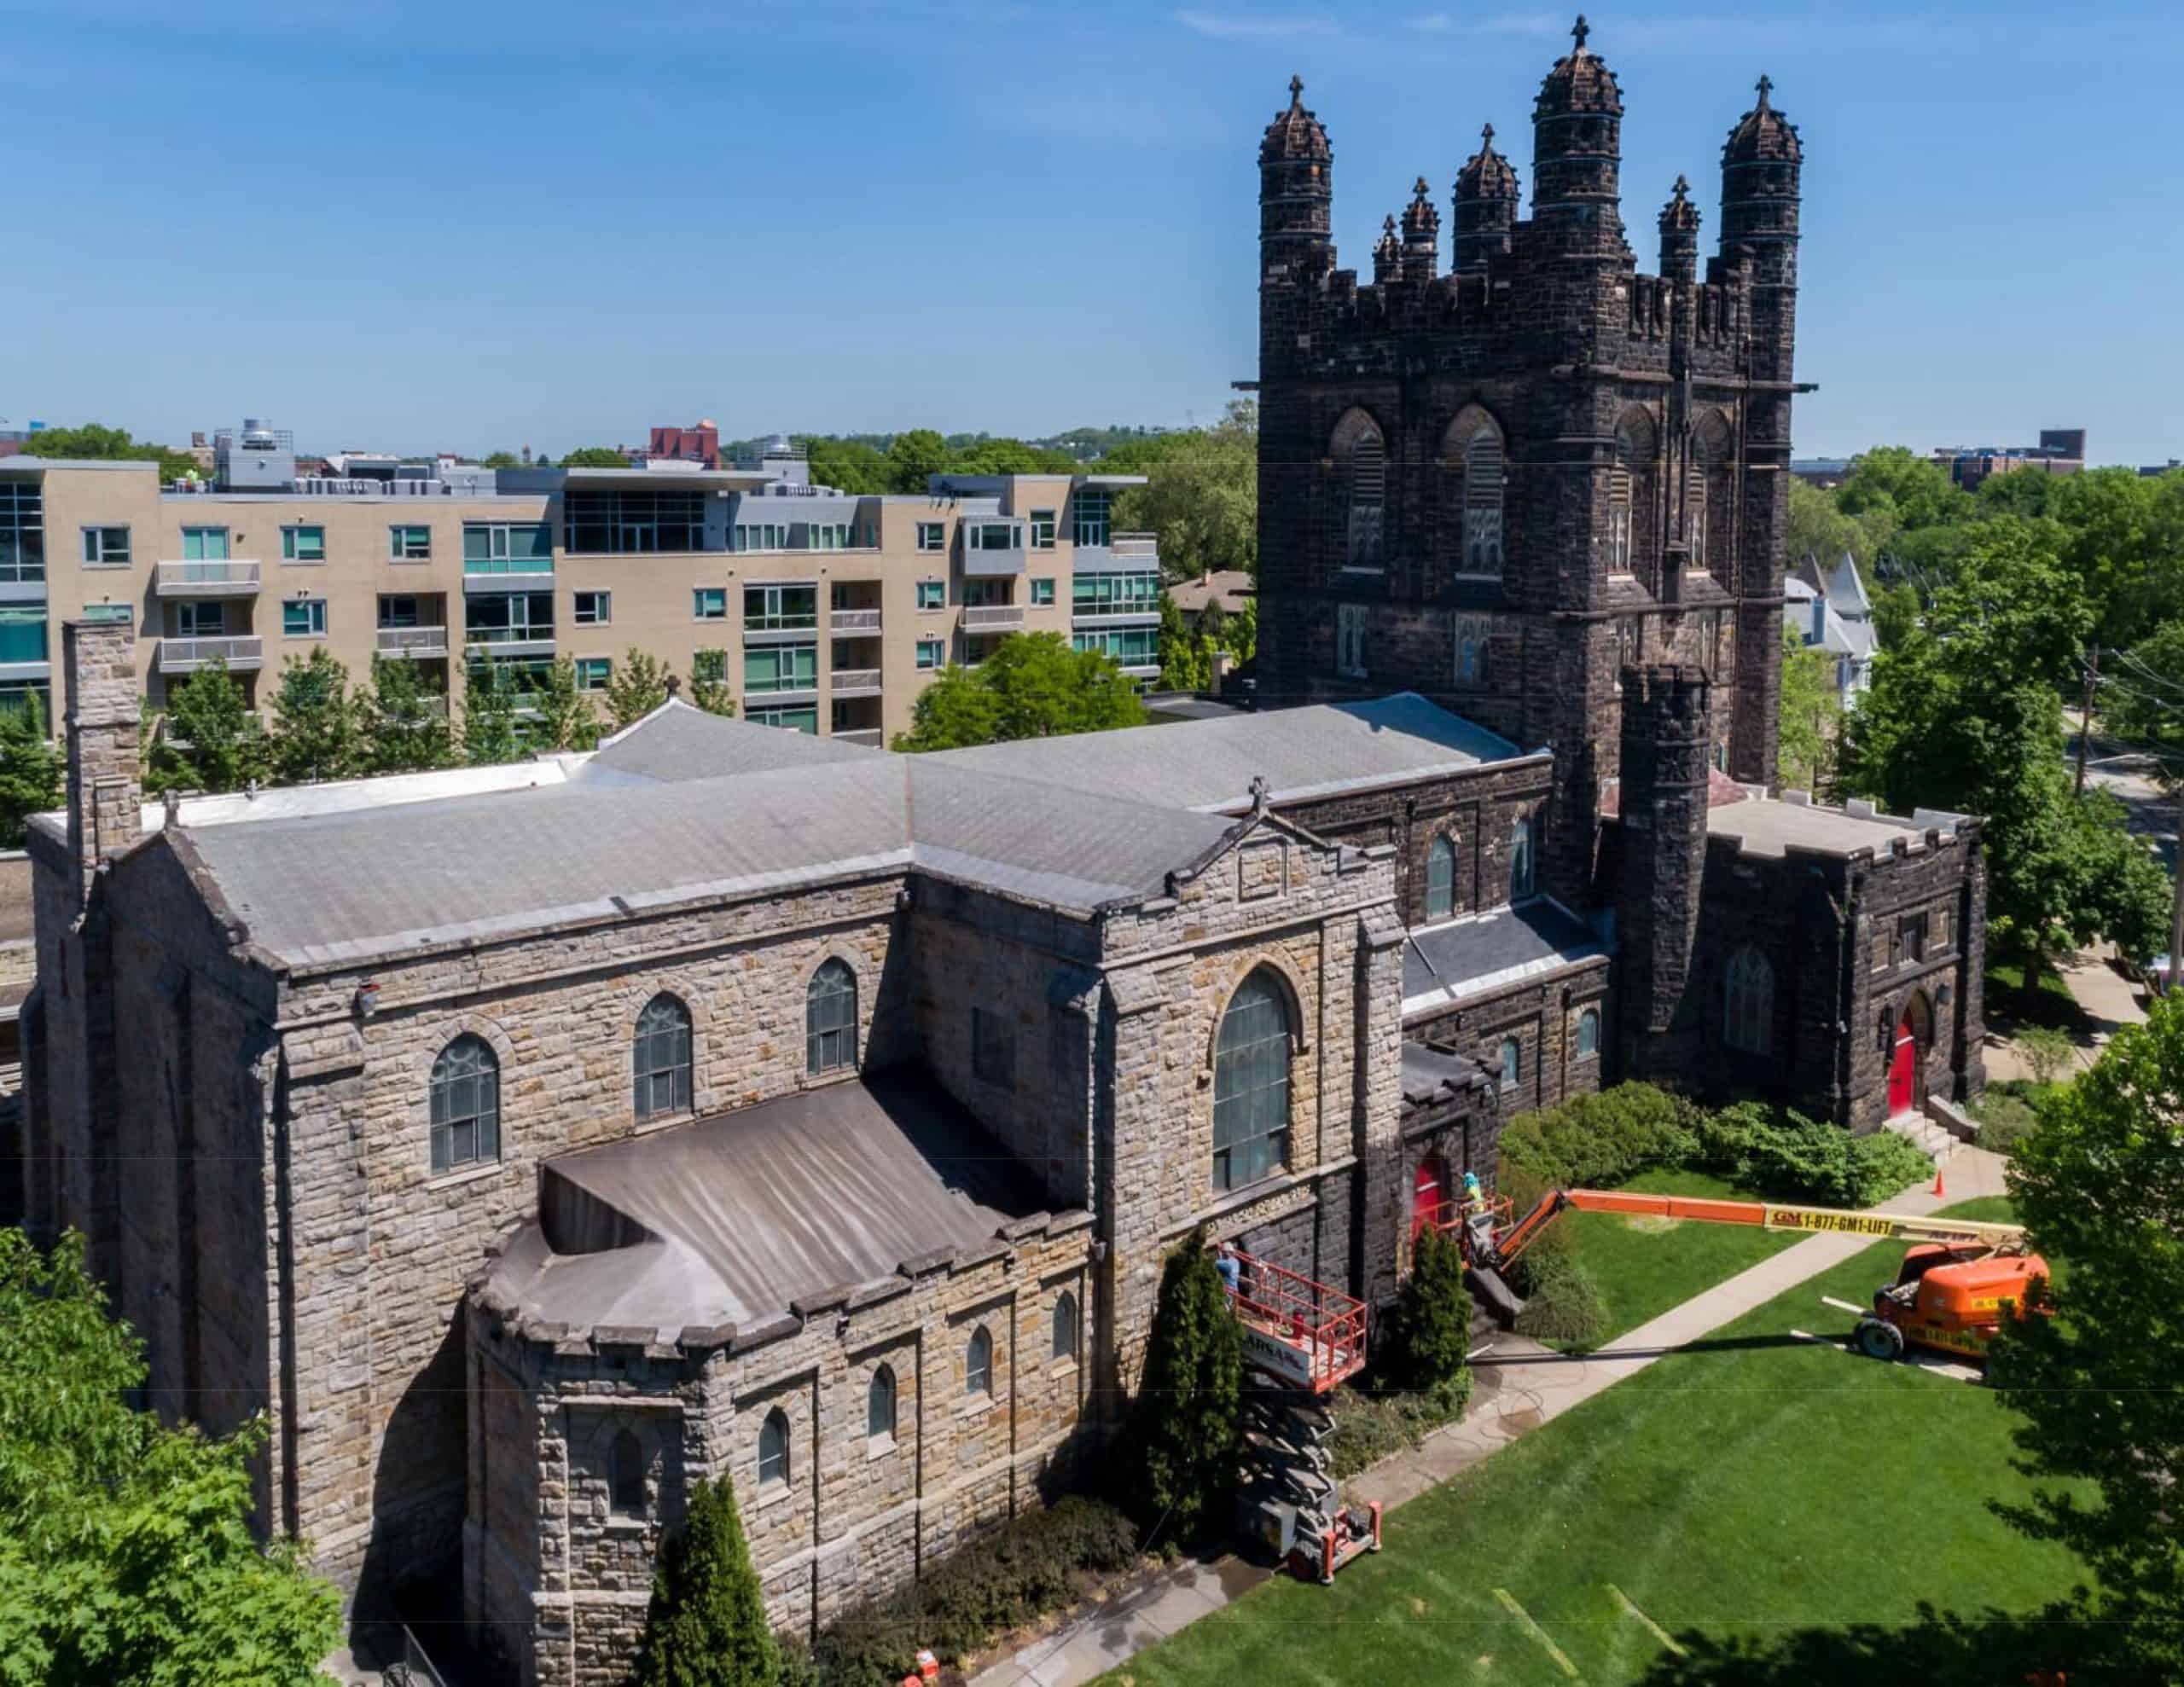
(1517, 1385)
(2109, 999)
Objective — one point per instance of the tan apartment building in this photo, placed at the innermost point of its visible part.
(822, 611)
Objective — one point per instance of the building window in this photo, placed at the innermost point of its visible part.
(830, 1019)
(1523, 869)
(805, 719)
(1589, 1033)
(993, 1049)
(103, 548)
(1251, 1084)
(1042, 590)
(1349, 640)
(1940, 928)
(593, 673)
(780, 609)
(1091, 520)
(466, 1105)
(1713, 454)
(1132, 646)
(303, 544)
(932, 535)
(398, 610)
(594, 609)
(409, 544)
(1911, 934)
(978, 1365)
(1482, 503)
(1364, 462)
(932, 594)
(204, 544)
(626, 1474)
(508, 618)
(508, 547)
(709, 603)
(1042, 530)
(22, 531)
(303, 618)
(1748, 1005)
(1512, 1063)
(662, 1057)
(879, 1405)
(992, 536)
(762, 535)
(780, 667)
(22, 633)
(773, 1449)
(931, 653)
(1441, 879)
(624, 524)
(1064, 1332)
(206, 620)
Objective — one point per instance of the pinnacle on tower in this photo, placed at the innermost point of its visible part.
(1387, 252)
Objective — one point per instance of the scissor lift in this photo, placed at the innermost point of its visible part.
(1301, 1340)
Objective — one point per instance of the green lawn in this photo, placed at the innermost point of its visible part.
(1646, 1265)
(1750, 1500)
(2047, 1000)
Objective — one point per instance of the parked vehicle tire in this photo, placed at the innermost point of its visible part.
(1879, 1339)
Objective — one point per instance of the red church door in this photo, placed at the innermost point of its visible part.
(1903, 1070)
(1428, 1191)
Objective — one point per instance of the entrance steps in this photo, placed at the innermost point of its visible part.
(1933, 1140)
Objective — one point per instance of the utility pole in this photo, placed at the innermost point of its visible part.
(2177, 913)
(2085, 719)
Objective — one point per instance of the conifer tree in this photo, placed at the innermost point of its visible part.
(1190, 1400)
(1432, 1317)
(706, 1627)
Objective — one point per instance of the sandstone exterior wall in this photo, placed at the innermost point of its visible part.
(1542, 1017)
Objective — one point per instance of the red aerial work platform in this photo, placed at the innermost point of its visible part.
(1302, 1333)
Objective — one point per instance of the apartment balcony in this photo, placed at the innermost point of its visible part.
(779, 700)
(1137, 547)
(994, 617)
(782, 629)
(849, 621)
(412, 642)
(526, 574)
(221, 579)
(187, 655)
(994, 547)
(1085, 621)
(508, 642)
(871, 736)
(1124, 552)
(855, 682)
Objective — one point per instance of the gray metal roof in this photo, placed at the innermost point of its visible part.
(1431, 1074)
(1765, 825)
(735, 1218)
(679, 741)
(1479, 954)
(1209, 765)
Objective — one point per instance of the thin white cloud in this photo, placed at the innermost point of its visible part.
(1243, 27)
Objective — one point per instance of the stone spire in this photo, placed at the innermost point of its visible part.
(1421, 236)
(1486, 205)
(1680, 236)
(1387, 253)
(1576, 152)
(1296, 194)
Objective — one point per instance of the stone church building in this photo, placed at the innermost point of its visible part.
(527, 1143)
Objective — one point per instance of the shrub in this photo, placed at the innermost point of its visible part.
(1039, 1563)
(1369, 1426)
(1187, 1422)
(1789, 1157)
(1566, 1305)
(2049, 1052)
(707, 1625)
(2005, 1120)
(1593, 1140)
(1429, 1330)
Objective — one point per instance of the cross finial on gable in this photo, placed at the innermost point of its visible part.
(1261, 795)
(1486, 137)
(1580, 30)
(1766, 87)
(1296, 90)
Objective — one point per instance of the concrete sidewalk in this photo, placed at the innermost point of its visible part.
(1516, 1386)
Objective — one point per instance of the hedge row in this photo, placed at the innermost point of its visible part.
(1038, 1563)
(1594, 1141)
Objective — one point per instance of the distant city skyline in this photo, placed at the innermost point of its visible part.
(537, 225)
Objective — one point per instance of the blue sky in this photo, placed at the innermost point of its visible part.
(479, 225)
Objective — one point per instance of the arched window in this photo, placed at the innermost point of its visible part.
(1483, 502)
(830, 1019)
(1362, 460)
(1694, 503)
(1523, 868)
(626, 1474)
(1713, 469)
(1589, 1033)
(1748, 1003)
(773, 1448)
(466, 1105)
(1512, 1063)
(1441, 879)
(977, 1363)
(662, 1057)
(1631, 546)
(879, 1405)
(1065, 1341)
(1251, 1084)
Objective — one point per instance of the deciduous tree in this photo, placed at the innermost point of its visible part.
(636, 687)
(595, 456)
(314, 735)
(31, 769)
(403, 723)
(1811, 710)
(109, 444)
(912, 458)
(1201, 499)
(1033, 686)
(562, 716)
(489, 727)
(126, 1555)
(210, 741)
(2101, 1187)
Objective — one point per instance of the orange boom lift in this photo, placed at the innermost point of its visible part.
(1958, 1284)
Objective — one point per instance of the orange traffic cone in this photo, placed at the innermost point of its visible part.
(1937, 1180)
